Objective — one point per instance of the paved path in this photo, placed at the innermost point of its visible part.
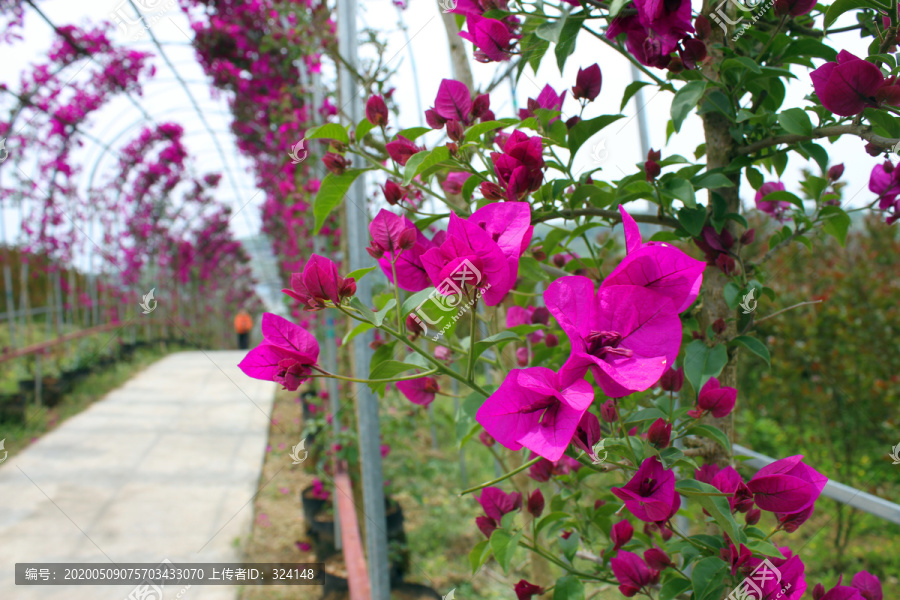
(164, 467)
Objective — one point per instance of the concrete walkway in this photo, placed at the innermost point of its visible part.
(165, 467)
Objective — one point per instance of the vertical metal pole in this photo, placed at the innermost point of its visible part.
(10, 305)
(38, 379)
(454, 387)
(366, 403)
(641, 115)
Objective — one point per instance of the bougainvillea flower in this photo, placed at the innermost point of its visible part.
(650, 493)
(536, 408)
(391, 233)
(496, 503)
(453, 101)
(647, 46)
(548, 99)
(492, 38)
(670, 20)
(411, 274)
(706, 473)
(543, 469)
(775, 208)
(519, 167)
(588, 83)
(885, 181)
(454, 182)
(401, 149)
(319, 282)
(535, 504)
(792, 521)
(621, 533)
(509, 225)
(286, 355)
(787, 485)
(729, 481)
(736, 557)
(631, 572)
(672, 380)
(849, 85)
(868, 585)
(419, 391)
(627, 335)
(393, 193)
(842, 592)
(657, 559)
(792, 583)
(468, 257)
(377, 111)
(660, 433)
(715, 399)
(588, 434)
(795, 8)
(526, 591)
(658, 266)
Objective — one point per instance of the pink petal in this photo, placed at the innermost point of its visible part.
(453, 101)
(281, 332)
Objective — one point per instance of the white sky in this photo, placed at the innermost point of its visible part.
(165, 100)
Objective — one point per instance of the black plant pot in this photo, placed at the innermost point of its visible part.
(311, 506)
(52, 391)
(12, 408)
(335, 579)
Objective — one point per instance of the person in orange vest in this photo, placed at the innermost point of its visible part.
(243, 324)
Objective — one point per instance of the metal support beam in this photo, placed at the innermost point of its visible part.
(366, 402)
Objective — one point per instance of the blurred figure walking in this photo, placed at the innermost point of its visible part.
(243, 324)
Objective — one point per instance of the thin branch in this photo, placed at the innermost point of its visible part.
(775, 314)
(820, 132)
(612, 215)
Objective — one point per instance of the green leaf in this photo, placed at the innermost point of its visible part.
(421, 161)
(568, 588)
(711, 181)
(387, 369)
(883, 119)
(360, 273)
(836, 223)
(687, 98)
(716, 506)
(381, 314)
(784, 196)
(796, 121)
(549, 519)
(692, 219)
(630, 90)
(331, 193)
(433, 311)
(755, 346)
(365, 312)
(643, 415)
(479, 555)
(585, 129)
(839, 7)
(673, 588)
(567, 37)
(504, 546)
(329, 131)
(415, 300)
(476, 131)
(413, 132)
(503, 336)
(466, 425)
(360, 328)
(683, 190)
(742, 61)
(713, 433)
(531, 269)
(364, 127)
(550, 30)
(702, 362)
(707, 576)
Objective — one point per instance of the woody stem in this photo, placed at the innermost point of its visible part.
(396, 292)
(325, 373)
(501, 478)
(470, 367)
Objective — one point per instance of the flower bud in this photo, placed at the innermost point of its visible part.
(659, 433)
(455, 130)
(536, 503)
(702, 27)
(719, 325)
(539, 255)
(672, 380)
(752, 516)
(491, 191)
(393, 193)
(621, 534)
(551, 340)
(572, 121)
(434, 120)
(559, 260)
(873, 150)
(748, 236)
(335, 163)
(608, 411)
(377, 111)
(818, 591)
(486, 439)
(522, 357)
(652, 169)
(414, 325)
(835, 172)
(540, 316)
